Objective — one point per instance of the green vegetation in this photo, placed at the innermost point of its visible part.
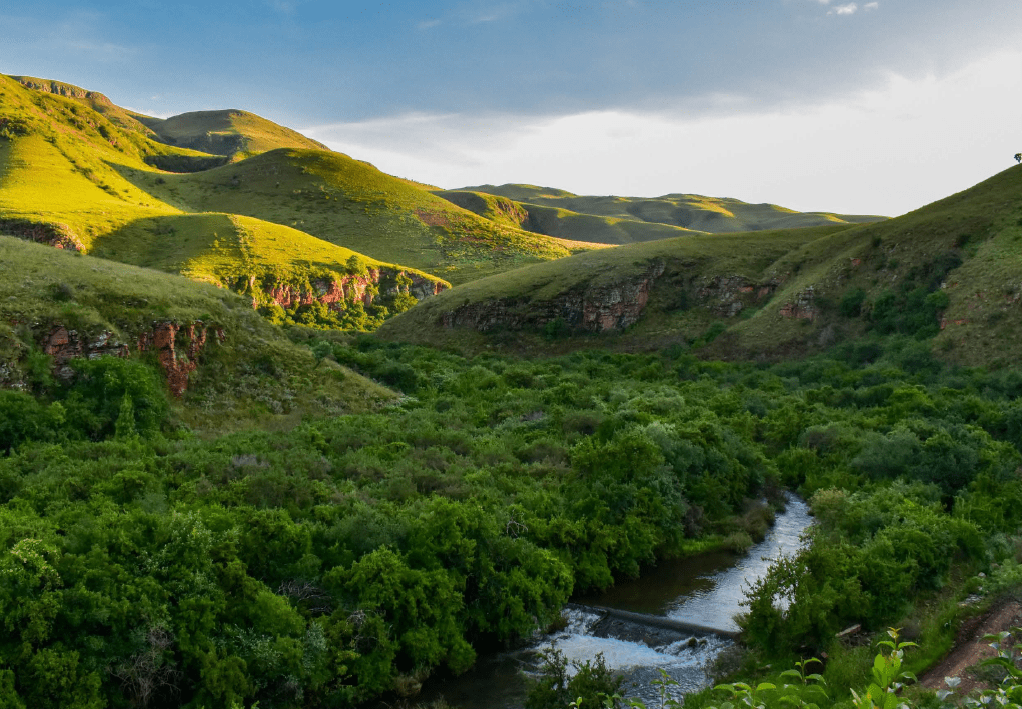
(322, 519)
(946, 274)
(255, 376)
(75, 164)
(623, 220)
(564, 223)
(354, 555)
(232, 133)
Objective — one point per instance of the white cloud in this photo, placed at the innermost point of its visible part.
(886, 151)
(848, 9)
(871, 6)
(429, 24)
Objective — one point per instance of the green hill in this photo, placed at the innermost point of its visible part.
(78, 168)
(562, 223)
(229, 132)
(619, 220)
(947, 274)
(231, 368)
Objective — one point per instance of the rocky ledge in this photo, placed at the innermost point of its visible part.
(593, 308)
(177, 347)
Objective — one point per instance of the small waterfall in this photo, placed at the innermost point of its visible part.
(663, 621)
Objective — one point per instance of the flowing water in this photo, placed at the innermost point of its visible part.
(704, 590)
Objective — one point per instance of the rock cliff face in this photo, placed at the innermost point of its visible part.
(591, 309)
(730, 295)
(177, 347)
(803, 307)
(61, 89)
(51, 234)
(334, 293)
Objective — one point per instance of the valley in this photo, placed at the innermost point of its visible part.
(280, 429)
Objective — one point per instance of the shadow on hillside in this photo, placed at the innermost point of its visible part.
(165, 243)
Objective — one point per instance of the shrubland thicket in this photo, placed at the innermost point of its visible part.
(351, 557)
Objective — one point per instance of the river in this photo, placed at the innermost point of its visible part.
(704, 590)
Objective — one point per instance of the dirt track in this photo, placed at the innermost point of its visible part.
(970, 648)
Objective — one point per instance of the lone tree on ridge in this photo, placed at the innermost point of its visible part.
(1018, 157)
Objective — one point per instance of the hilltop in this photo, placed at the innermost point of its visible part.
(946, 274)
(622, 220)
(83, 174)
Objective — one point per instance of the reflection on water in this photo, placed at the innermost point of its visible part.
(705, 590)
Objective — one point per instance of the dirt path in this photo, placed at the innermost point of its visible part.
(970, 648)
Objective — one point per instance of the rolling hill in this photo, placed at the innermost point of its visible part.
(83, 174)
(228, 366)
(947, 274)
(622, 220)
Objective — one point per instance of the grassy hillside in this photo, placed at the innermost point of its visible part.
(73, 178)
(254, 377)
(618, 219)
(352, 204)
(86, 174)
(227, 132)
(92, 99)
(562, 223)
(949, 274)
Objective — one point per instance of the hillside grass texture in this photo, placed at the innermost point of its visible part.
(256, 378)
(685, 211)
(65, 163)
(967, 246)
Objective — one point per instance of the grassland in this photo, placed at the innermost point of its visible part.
(958, 258)
(563, 223)
(93, 173)
(228, 250)
(255, 378)
(232, 132)
(622, 220)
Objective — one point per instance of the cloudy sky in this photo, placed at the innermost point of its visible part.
(857, 107)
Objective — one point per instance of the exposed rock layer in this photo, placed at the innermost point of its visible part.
(177, 347)
(594, 308)
(352, 288)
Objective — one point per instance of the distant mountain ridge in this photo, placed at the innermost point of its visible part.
(946, 277)
(260, 209)
(622, 220)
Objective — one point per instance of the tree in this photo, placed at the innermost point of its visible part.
(1018, 157)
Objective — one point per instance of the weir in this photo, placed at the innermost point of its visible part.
(656, 621)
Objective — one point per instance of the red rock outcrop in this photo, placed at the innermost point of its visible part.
(730, 295)
(596, 308)
(351, 288)
(63, 345)
(803, 307)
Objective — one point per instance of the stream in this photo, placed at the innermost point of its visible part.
(702, 591)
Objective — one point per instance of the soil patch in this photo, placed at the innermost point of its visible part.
(970, 648)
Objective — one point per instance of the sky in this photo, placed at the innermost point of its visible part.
(867, 107)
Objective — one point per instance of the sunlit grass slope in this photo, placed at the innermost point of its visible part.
(256, 376)
(530, 289)
(72, 166)
(230, 250)
(563, 223)
(68, 169)
(227, 132)
(687, 211)
(949, 274)
(352, 204)
(93, 99)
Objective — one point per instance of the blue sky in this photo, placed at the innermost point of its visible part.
(848, 106)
